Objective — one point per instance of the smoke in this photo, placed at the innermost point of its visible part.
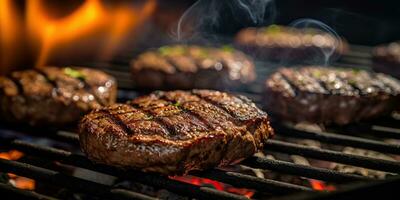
(205, 20)
(324, 55)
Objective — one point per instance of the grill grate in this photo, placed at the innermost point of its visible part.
(66, 153)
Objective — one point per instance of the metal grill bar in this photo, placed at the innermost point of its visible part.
(343, 140)
(323, 154)
(14, 193)
(145, 178)
(243, 180)
(291, 168)
(302, 170)
(295, 169)
(63, 180)
(235, 179)
(371, 129)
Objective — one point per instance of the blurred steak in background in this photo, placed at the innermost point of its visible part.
(386, 59)
(54, 96)
(188, 67)
(330, 95)
(290, 44)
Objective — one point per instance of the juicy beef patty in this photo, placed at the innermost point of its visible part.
(54, 96)
(188, 67)
(330, 95)
(386, 59)
(289, 44)
(175, 132)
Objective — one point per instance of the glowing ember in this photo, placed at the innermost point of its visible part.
(17, 181)
(321, 186)
(215, 184)
(94, 27)
(11, 155)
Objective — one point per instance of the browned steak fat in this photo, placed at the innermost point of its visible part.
(54, 96)
(175, 132)
(330, 95)
(188, 67)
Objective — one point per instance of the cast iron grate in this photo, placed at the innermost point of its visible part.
(66, 152)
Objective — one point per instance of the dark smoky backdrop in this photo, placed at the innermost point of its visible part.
(365, 22)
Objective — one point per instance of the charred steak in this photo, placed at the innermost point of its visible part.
(386, 59)
(188, 67)
(290, 44)
(175, 132)
(330, 95)
(54, 96)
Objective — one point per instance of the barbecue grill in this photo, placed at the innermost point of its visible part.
(61, 148)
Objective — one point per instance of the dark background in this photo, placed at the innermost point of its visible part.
(367, 22)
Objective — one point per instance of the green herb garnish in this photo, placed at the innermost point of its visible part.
(177, 104)
(74, 73)
(171, 50)
(273, 29)
(356, 71)
(317, 74)
(227, 48)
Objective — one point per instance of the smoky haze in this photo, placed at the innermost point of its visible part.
(206, 21)
(205, 18)
(320, 55)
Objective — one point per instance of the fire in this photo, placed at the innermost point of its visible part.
(17, 181)
(321, 186)
(215, 184)
(9, 30)
(92, 23)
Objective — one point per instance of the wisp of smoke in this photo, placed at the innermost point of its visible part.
(205, 17)
(327, 53)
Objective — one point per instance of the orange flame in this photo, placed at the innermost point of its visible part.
(9, 29)
(215, 184)
(93, 20)
(321, 186)
(18, 181)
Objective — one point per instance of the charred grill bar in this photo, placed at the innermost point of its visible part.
(42, 173)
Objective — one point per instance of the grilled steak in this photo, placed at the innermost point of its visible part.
(386, 59)
(175, 132)
(330, 95)
(289, 44)
(54, 96)
(188, 67)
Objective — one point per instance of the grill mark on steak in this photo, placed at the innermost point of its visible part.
(89, 89)
(46, 76)
(116, 120)
(20, 88)
(390, 83)
(352, 85)
(193, 114)
(231, 119)
(234, 120)
(86, 86)
(292, 85)
(167, 129)
(317, 82)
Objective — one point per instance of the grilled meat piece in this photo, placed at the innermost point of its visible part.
(330, 95)
(175, 132)
(54, 96)
(290, 44)
(188, 67)
(386, 59)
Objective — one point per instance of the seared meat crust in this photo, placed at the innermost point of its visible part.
(188, 67)
(54, 96)
(330, 95)
(175, 132)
